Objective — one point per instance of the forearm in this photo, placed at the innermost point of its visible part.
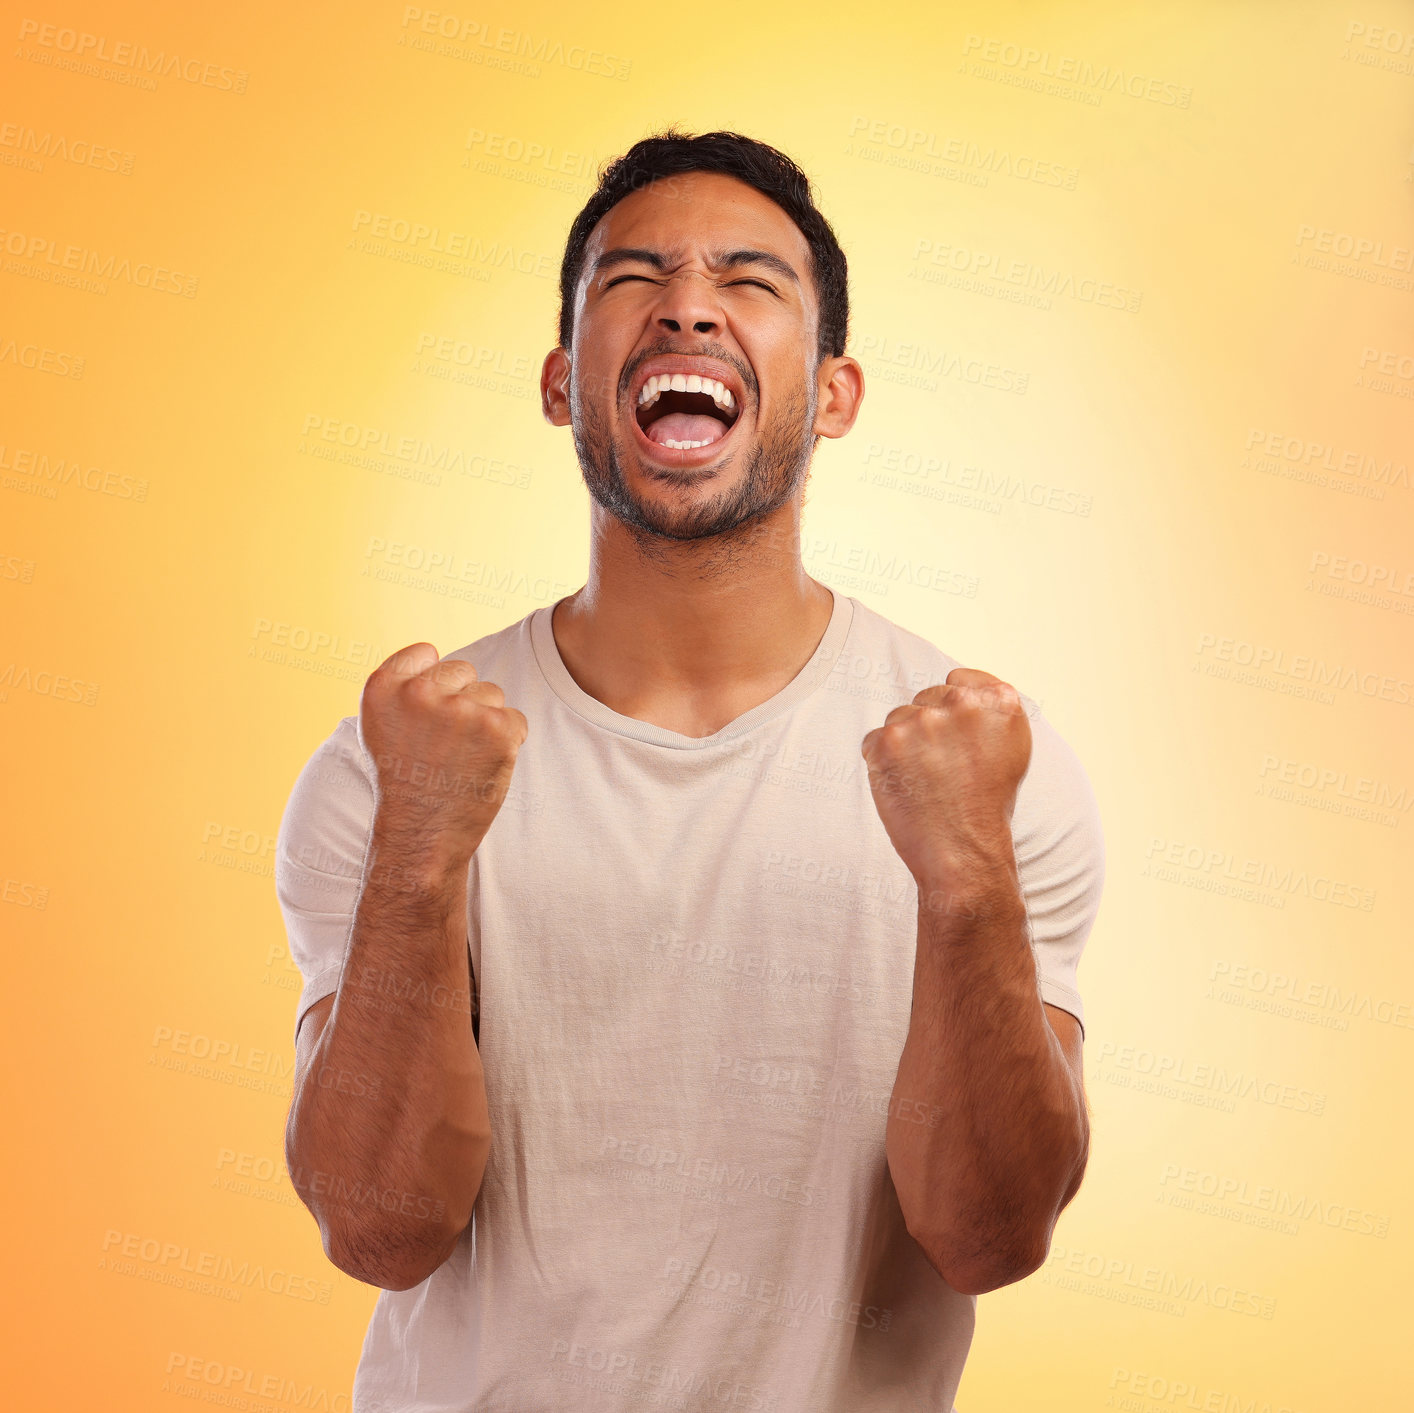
(987, 1131)
(389, 1133)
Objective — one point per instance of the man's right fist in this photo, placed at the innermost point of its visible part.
(443, 744)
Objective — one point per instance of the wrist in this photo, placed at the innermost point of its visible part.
(409, 860)
(971, 892)
(978, 864)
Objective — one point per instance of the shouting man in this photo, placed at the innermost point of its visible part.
(689, 1011)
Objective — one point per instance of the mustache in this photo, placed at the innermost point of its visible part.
(706, 350)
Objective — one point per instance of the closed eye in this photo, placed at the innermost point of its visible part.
(760, 284)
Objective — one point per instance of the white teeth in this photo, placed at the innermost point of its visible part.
(685, 382)
(682, 446)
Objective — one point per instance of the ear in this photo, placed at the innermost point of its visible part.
(841, 390)
(554, 387)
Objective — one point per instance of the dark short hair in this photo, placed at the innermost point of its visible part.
(670, 153)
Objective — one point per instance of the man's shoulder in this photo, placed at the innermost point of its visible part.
(909, 661)
(500, 650)
(342, 759)
(924, 657)
(886, 652)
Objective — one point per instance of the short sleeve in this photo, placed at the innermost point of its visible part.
(319, 858)
(1060, 857)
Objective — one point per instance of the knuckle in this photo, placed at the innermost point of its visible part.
(420, 691)
(510, 726)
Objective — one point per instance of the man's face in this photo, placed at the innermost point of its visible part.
(701, 277)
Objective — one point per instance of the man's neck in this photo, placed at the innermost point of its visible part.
(695, 636)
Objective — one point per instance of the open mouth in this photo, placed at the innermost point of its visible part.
(684, 412)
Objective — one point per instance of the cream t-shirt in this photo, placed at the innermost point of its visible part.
(694, 959)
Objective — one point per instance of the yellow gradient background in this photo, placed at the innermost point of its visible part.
(1132, 287)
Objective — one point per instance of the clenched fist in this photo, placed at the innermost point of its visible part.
(444, 745)
(944, 771)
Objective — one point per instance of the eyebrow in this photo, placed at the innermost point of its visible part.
(718, 259)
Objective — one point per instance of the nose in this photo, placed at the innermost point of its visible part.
(689, 300)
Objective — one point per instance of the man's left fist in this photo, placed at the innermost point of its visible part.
(944, 771)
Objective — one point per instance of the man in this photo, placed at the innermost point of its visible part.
(689, 1013)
